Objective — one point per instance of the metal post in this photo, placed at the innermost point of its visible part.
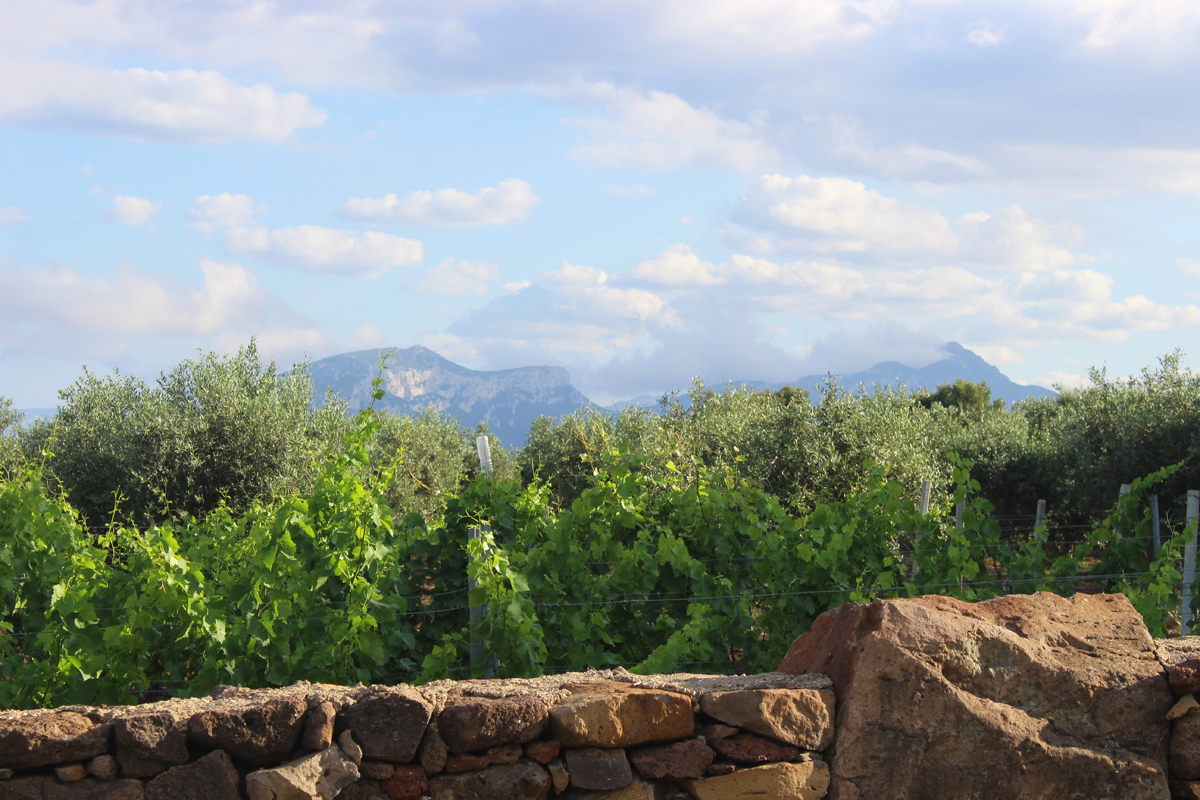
(477, 614)
(1155, 530)
(925, 486)
(1125, 489)
(1041, 517)
(485, 455)
(958, 515)
(1189, 562)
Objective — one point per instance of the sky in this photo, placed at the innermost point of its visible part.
(638, 192)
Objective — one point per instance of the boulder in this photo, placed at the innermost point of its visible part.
(477, 723)
(597, 768)
(1017, 697)
(47, 787)
(805, 781)
(521, 781)
(687, 759)
(213, 777)
(611, 714)
(803, 717)
(257, 734)
(389, 724)
(150, 743)
(45, 738)
(318, 775)
(746, 748)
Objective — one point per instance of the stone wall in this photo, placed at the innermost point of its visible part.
(589, 735)
(923, 699)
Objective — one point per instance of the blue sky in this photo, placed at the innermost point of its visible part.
(639, 192)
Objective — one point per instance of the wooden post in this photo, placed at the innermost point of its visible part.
(1155, 530)
(1040, 518)
(1189, 562)
(477, 614)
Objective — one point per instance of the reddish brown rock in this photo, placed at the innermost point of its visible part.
(521, 781)
(50, 737)
(389, 725)
(598, 768)
(149, 743)
(504, 754)
(407, 783)
(1185, 677)
(432, 753)
(544, 751)
(465, 762)
(258, 735)
(611, 714)
(213, 777)
(746, 748)
(1017, 697)
(720, 768)
(477, 723)
(363, 789)
(1185, 748)
(69, 773)
(680, 760)
(318, 728)
(47, 787)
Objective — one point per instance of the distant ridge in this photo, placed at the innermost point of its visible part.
(417, 378)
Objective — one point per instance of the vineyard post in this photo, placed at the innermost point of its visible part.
(1039, 519)
(485, 455)
(1155, 530)
(1189, 562)
(925, 486)
(958, 514)
(478, 643)
(1125, 489)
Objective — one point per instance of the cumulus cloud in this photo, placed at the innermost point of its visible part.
(983, 34)
(312, 248)
(625, 192)
(838, 216)
(509, 201)
(11, 215)
(224, 210)
(659, 130)
(109, 314)
(1188, 266)
(186, 106)
(677, 265)
(129, 210)
(460, 278)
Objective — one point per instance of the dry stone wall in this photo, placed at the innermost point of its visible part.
(926, 698)
(599, 735)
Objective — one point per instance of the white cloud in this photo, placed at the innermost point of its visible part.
(129, 210)
(109, 314)
(996, 353)
(1112, 23)
(1062, 380)
(837, 216)
(461, 278)
(983, 34)
(312, 248)
(1188, 266)
(509, 201)
(186, 106)
(224, 210)
(677, 265)
(1099, 171)
(658, 130)
(11, 215)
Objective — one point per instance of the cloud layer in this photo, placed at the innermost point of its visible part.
(507, 202)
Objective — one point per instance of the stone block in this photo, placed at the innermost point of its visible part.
(598, 768)
(802, 717)
(46, 738)
(805, 781)
(746, 748)
(465, 762)
(213, 777)
(433, 751)
(687, 759)
(318, 728)
(47, 787)
(609, 714)
(477, 723)
(543, 751)
(389, 724)
(1185, 677)
(104, 767)
(521, 781)
(317, 776)
(149, 743)
(259, 734)
(408, 782)
(69, 773)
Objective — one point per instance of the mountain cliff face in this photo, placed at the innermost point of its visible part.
(418, 378)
